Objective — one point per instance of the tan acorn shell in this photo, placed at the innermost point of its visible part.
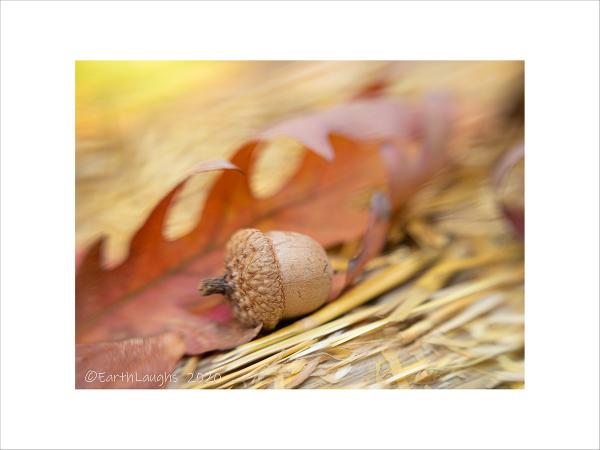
(272, 276)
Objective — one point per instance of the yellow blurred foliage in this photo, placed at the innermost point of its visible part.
(121, 91)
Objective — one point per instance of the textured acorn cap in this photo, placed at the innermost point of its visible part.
(254, 275)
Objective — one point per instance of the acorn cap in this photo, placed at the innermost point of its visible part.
(253, 272)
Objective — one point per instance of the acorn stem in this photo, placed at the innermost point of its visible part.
(211, 286)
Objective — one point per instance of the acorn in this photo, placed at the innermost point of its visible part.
(272, 276)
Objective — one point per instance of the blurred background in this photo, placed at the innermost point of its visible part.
(141, 126)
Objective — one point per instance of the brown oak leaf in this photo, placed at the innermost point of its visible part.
(144, 362)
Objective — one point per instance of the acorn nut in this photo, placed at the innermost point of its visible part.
(272, 276)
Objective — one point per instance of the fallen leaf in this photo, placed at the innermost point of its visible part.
(412, 158)
(364, 120)
(372, 243)
(144, 362)
(154, 289)
(105, 309)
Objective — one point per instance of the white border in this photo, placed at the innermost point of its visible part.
(40, 41)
